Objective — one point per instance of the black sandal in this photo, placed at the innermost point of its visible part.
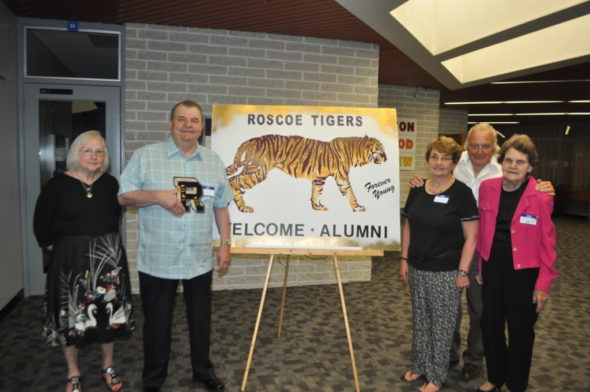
(116, 384)
(76, 383)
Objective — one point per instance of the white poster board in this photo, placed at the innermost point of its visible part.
(308, 176)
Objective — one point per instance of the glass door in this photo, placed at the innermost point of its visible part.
(54, 116)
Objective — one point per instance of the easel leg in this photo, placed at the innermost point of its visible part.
(255, 334)
(283, 297)
(345, 314)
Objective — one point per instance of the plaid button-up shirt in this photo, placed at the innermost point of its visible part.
(175, 247)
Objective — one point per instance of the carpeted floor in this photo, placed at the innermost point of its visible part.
(313, 355)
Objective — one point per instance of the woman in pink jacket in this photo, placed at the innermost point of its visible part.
(516, 245)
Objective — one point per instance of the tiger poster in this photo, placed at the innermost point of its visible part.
(309, 176)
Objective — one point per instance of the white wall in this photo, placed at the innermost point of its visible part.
(11, 263)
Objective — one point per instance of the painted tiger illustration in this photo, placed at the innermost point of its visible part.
(302, 158)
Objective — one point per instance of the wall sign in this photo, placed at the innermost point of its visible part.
(407, 143)
(310, 176)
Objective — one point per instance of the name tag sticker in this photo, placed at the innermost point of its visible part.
(208, 191)
(527, 219)
(441, 199)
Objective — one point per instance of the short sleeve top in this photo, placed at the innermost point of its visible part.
(436, 233)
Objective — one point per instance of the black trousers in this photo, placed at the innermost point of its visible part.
(508, 300)
(473, 353)
(157, 300)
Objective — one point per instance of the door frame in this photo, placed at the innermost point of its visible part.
(34, 278)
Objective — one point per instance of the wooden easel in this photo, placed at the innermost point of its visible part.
(301, 252)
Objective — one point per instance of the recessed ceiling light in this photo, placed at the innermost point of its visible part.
(502, 58)
(541, 81)
(495, 122)
(541, 114)
(539, 101)
(503, 102)
(555, 114)
(489, 114)
(474, 103)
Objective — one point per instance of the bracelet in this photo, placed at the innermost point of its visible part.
(403, 258)
(462, 273)
(225, 242)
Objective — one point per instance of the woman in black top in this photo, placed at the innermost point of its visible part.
(439, 235)
(88, 297)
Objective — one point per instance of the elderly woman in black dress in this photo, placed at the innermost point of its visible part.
(88, 296)
(439, 234)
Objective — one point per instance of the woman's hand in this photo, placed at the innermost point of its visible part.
(462, 281)
(540, 298)
(403, 270)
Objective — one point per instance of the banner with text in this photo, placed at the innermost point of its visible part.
(308, 176)
(407, 143)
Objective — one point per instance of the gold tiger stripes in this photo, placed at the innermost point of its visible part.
(301, 157)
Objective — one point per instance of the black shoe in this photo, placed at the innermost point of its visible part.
(453, 362)
(470, 371)
(211, 384)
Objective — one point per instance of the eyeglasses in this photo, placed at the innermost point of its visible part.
(87, 152)
(517, 162)
(442, 157)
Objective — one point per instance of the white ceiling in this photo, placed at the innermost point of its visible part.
(464, 43)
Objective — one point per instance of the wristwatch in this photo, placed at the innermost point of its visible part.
(462, 273)
(226, 242)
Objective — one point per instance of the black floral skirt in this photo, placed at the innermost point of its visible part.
(88, 293)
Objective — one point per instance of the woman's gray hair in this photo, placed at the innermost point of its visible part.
(73, 158)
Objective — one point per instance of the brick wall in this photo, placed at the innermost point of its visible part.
(421, 105)
(452, 121)
(166, 64)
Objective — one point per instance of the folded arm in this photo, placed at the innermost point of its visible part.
(166, 199)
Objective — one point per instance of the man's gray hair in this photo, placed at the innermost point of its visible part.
(483, 127)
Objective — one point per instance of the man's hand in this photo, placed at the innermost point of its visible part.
(479, 278)
(416, 182)
(223, 259)
(169, 200)
(545, 187)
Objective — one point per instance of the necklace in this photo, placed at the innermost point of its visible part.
(439, 189)
(87, 189)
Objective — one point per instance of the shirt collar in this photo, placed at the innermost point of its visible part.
(465, 164)
(171, 150)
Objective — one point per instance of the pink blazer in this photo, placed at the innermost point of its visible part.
(533, 231)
